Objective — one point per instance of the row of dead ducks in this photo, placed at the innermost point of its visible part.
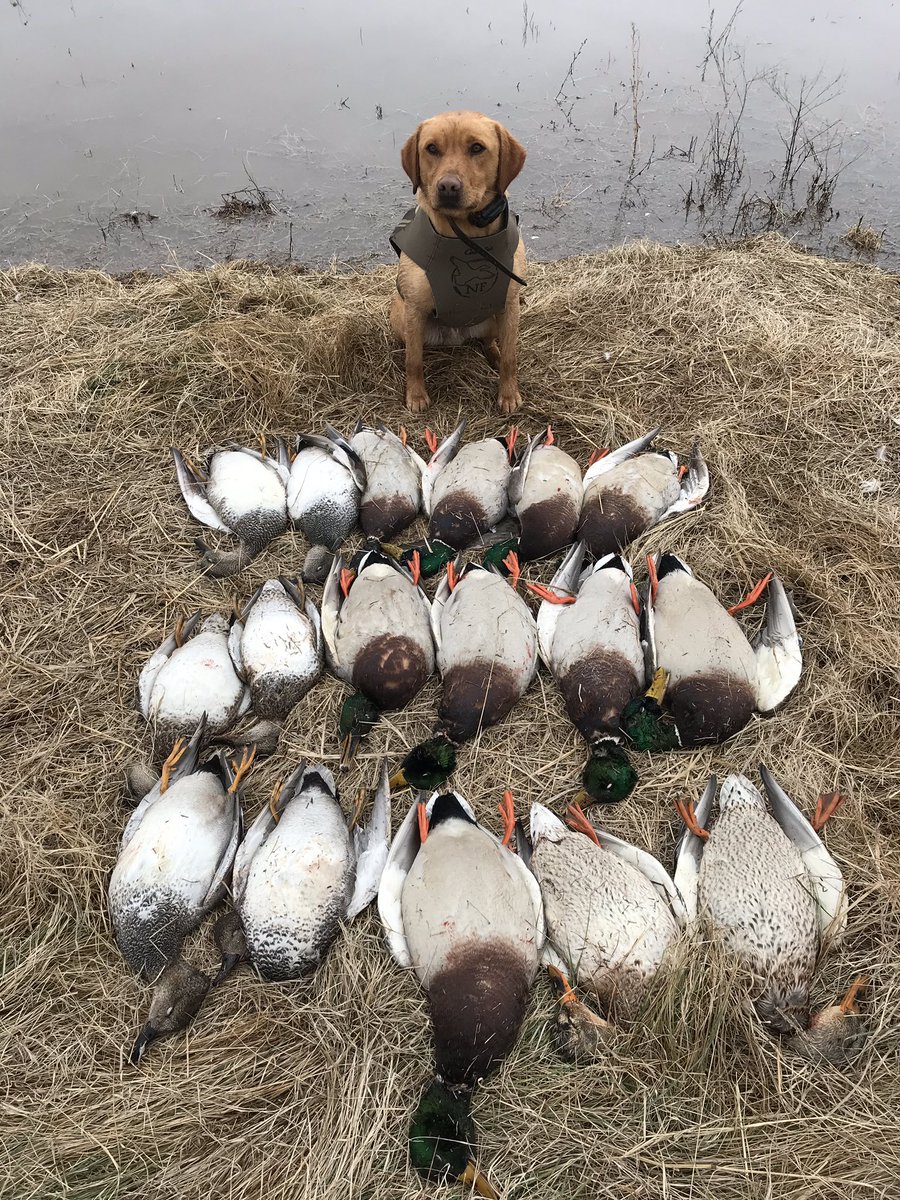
(660, 668)
(328, 486)
(474, 914)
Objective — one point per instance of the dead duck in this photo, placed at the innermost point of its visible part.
(761, 881)
(632, 489)
(280, 647)
(193, 672)
(299, 873)
(376, 623)
(326, 481)
(179, 993)
(468, 495)
(545, 493)
(242, 493)
(708, 679)
(612, 913)
(392, 497)
(175, 855)
(589, 635)
(465, 914)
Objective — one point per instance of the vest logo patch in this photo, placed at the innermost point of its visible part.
(472, 275)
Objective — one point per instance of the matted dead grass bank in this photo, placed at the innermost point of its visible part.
(788, 368)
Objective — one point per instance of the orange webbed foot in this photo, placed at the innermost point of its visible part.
(347, 577)
(511, 562)
(430, 440)
(826, 806)
(507, 810)
(686, 812)
(422, 816)
(175, 756)
(577, 820)
(752, 596)
(551, 597)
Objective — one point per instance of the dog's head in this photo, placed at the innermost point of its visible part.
(461, 161)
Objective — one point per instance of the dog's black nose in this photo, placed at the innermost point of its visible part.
(449, 189)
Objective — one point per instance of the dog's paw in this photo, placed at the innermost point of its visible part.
(509, 401)
(417, 400)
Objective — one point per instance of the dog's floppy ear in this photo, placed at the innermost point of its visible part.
(512, 158)
(409, 158)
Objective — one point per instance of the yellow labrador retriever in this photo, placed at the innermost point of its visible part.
(462, 260)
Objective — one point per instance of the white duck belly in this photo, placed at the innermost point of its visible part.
(383, 637)
(249, 495)
(198, 677)
(488, 653)
(469, 496)
(393, 493)
(711, 665)
(550, 505)
(620, 504)
(604, 918)
(172, 851)
(596, 653)
(280, 651)
(297, 887)
(322, 498)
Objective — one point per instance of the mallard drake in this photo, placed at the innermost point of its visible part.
(177, 997)
(327, 479)
(175, 855)
(392, 496)
(545, 493)
(632, 489)
(376, 623)
(612, 910)
(193, 672)
(765, 885)
(280, 647)
(242, 493)
(590, 639)
(711, 679)
(467, 495)
(299, 873)
(487, 646)
(465, 914)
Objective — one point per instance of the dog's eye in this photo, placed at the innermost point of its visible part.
(431, 148)
(476, 148)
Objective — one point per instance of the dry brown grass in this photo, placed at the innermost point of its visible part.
(788, 368)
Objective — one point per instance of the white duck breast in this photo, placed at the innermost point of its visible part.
(469, 496)
(487, 651)
(633, 489)
(393, 494)
(176, 852)
(545, 491)
(466, 914)
(379, 639)
(182, 682)
(717, 680)
(593, 646)
(322, 493)
(297, 879)
(281, 650)
(767, 887)
(608, 911)
(244, 494)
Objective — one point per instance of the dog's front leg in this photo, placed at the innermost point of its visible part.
(414, 336)
(508, 337)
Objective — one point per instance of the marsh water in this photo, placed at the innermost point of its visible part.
(123, 124)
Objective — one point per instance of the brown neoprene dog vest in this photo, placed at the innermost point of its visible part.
(467, 288)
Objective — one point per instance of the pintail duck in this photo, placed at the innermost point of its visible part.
(632, 489)
(765, 885)
(327, 478)
(176, 854)
(709, 676)
(465, 914)
(242, 493)
(280, 647)
(545, 493)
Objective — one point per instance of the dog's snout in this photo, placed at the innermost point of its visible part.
(449, 188)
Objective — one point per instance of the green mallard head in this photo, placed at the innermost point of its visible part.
(427, 766)
(442, 1138)
(358, 718)
(608, 777)
(433, 557)
(494, 555)
(644, 721)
